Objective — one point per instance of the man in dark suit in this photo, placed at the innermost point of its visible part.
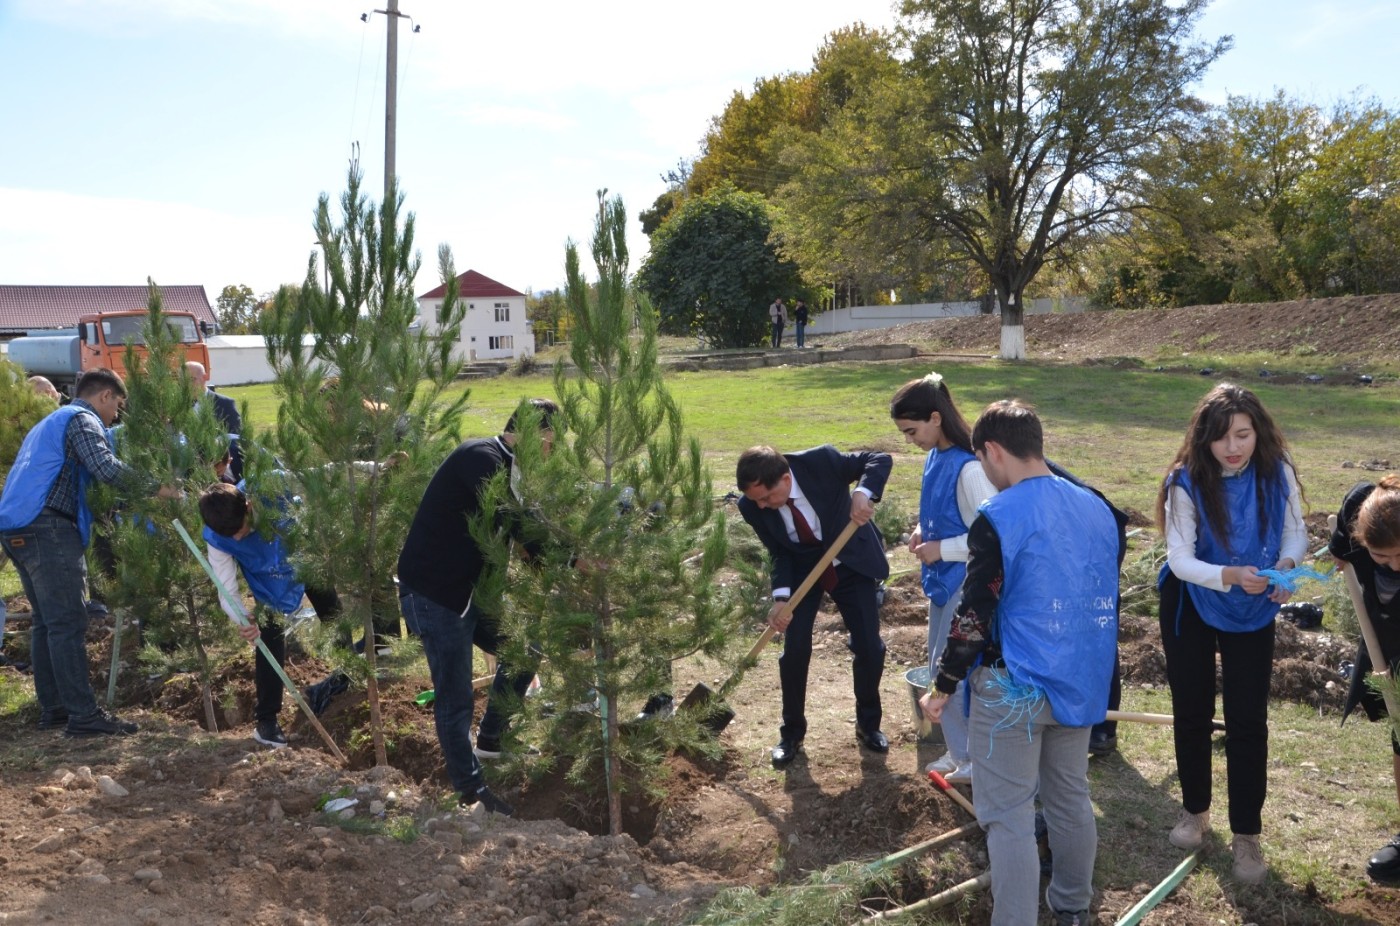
(797, 504)
(226, 410)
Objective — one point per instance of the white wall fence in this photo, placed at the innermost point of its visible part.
(863, 317)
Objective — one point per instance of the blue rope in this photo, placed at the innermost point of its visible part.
(1289, 580)
(1022, 703)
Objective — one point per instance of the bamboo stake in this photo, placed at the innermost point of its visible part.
(1379, 666)
(904, 855)
(242, 620)
(941, 899)
(1159, 893)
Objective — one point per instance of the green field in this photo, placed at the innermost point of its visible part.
(1116, 428)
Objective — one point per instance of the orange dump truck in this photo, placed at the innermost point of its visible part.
(100, 341)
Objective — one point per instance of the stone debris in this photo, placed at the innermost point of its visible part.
(109, 787)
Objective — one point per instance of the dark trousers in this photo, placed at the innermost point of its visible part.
(265, 680)
(1115, 698)
(854, 596)
(48, 555)
(801, 334)
(1246, 664)
(777, 339)
(447, 639)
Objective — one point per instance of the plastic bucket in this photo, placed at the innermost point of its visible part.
(916, 680)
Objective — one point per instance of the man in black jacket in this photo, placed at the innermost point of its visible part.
(797, 504)
(226, 410)
(438, 571)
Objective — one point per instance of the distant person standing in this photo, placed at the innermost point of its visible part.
(226, 410)
(800, 314)
(42, 386)
(777, 314)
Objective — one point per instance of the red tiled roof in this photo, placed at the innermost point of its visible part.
(474, 286)
(25, 307)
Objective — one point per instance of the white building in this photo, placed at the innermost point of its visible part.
(495, 326)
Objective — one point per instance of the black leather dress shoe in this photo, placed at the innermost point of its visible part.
(1384, 866)
(785, 752)
(873, 740)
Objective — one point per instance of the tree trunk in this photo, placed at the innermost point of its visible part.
(376, 718)
(206, 693)
(1013, 329)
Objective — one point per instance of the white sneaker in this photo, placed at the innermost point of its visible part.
(943, 764)
(1190, 830)
(962, 775)
(1249, 859)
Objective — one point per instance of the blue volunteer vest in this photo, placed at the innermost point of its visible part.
(266, 569)
(1056, 622)
(939, 518)
(42, 457)
(1235, 610)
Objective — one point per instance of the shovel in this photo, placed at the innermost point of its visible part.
(702, 694)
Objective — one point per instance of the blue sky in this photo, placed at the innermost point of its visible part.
(188, 140)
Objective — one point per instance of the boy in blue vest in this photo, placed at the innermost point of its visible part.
(232, 541)
(45, 524)
(1035, 637)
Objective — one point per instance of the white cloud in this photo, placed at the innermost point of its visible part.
(124, 241)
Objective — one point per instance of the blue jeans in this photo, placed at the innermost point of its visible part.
(48, 555)
(447, 639)
(801, 334)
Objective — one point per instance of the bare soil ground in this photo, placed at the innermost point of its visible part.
(214, 828)
(1360, 329)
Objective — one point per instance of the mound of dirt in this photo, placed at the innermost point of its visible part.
(1358, 329)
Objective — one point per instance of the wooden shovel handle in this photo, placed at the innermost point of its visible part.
(812, 577)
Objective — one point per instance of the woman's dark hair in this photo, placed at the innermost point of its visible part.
(918, 399)
(1210, 422)
(1378, 521)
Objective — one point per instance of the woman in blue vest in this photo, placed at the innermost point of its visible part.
(1229, 507)
(954, 486)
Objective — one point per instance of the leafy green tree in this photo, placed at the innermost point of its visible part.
(166, 434)
(1346, 210)
(1019, 130)
(632, 543)
(390, 395)
(238, 310)
(713, 269)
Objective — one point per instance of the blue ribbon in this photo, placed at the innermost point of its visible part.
(1289, 579)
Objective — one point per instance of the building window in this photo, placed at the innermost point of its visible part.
(503, 311)
(501, 342)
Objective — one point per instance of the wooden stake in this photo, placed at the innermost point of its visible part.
(943, 899)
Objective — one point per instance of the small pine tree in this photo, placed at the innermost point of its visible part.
(357, 384)
(632, 541)
(20, 409)
(166, 434)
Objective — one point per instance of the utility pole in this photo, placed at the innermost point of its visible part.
(391, 87)
(391, 95)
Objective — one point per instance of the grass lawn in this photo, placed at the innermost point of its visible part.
(1116, 428)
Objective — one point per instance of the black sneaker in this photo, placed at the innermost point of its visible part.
(269, 733)
(658, 707)
(1072, 918)
(487, 747)
(53, 719)
(489, 801)
(1102, 743)
(101, 723)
